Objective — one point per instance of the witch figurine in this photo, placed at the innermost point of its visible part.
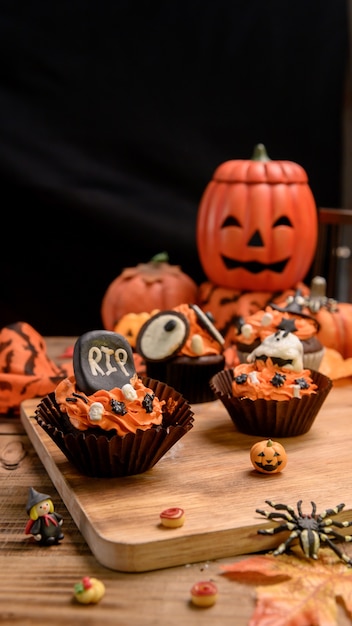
(44, 524)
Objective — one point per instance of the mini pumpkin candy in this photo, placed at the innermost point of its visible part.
(257, 224)
(148, 286)
(268, 457)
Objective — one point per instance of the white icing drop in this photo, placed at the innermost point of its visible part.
(267, 319)
(197, 344)
(253, 377)
(296, 391)
(247, 330)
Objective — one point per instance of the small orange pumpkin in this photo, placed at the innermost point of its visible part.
(334, 318)
(257, 224)
(148, 286)
(130, 324)
(268, 457)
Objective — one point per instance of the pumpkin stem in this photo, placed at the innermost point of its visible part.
(260, 153)
(161, 257)
(269, 443)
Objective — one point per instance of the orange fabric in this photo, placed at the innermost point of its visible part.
(25, 369)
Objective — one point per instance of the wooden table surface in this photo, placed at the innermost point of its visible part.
(37, 582)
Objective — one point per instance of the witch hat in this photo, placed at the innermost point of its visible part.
(34, 497)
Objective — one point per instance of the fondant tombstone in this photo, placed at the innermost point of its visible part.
(102, 359)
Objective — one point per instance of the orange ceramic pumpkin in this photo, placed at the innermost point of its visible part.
(334, 318)
(257, 224)
(148, 286)
(268, 457)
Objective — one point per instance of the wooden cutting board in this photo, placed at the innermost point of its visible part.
(209, 474)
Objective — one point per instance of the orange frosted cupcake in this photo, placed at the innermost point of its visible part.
(105, 419)
(182, 347)
(287, 316)
(273, 395)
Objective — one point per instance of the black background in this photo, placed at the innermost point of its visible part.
(114, 115)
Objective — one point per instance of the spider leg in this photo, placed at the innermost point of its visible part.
(275, 529)
(285, 544)
(337, 535)
(329, 512)
(329, 522)
(335, 548)
(282, 507)
(275, 516)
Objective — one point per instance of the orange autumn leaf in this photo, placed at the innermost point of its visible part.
(296, 591)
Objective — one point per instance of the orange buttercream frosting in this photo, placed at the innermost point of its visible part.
(263, 379)
(125, 410)
(199, 341)
(265, 322)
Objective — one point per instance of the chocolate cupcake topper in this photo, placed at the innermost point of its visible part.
(284, 349)
(102, 359)
(204, 320)
(163, 335)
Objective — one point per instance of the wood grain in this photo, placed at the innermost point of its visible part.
(208, 473)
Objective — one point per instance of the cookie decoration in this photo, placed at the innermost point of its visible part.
(102, 360)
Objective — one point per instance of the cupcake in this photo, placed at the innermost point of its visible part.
(182, 347)
(105, 419)
(287, 316)
(273, 395)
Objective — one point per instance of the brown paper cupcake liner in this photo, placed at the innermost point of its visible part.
(271, 418)
(108, 455)
(190, 378)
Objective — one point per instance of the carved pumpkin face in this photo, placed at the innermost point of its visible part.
(257, 224)
(268, 457)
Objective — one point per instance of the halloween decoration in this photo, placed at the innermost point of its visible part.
(268, 457)
(334, 318)
(106, 420)
(310, 529)
(228, 307)
(257, 224)
(89, 590)
(204, 593)
(148, 286)
(173, 517)
(182, 348)
(44, 524)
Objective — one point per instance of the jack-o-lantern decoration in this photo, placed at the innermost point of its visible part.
(153, 285)
(268, 457)
(257, 224)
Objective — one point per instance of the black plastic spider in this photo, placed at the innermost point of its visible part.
(310, 529)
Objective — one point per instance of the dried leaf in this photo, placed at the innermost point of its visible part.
(301, 591)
